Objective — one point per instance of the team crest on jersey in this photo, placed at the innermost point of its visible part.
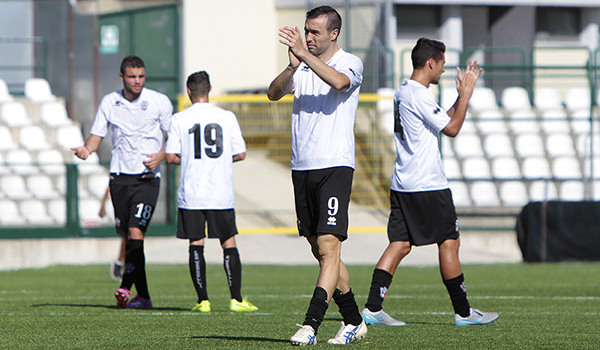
(118, 103)
(144, 105)
(305, 68)
(331, 221)
(437, 110)
(383, 292)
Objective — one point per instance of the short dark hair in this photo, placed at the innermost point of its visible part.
(131, 62)
(334, 20)
(426, 49)
(198, 83)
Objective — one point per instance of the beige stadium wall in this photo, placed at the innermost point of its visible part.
(235, 41)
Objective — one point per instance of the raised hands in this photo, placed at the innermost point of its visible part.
(292, 38)
(465, 83)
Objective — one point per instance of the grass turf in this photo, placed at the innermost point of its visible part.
(541, 306)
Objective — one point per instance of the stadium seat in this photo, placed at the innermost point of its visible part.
(468, 145)
(554, 120)
(446, 147)
(578, 98)
(571, 191)
(68, 137)
(530, 144)
(89, 166)
(523, 121)
(542, 191)
(513, 193)
(41, 187)
(34, 212)
(6, 140)
(20, 162)
(596, 190)
(460, 193)
(498, 144)
(57, 210)
(38, 90)
(4, 169)
(491, 121)
(97, 185)
(468, 126)
(385, 109)
(10, 213)
(14, 114)
(61, 184)
(484, 193)
(13, 187)
(566, 168)
(448, 97)
(536, 168)
(515, 98)
(560, 144)
(505, 168)
(580, 121)
(5, 95)
(547, 99)
(582, 145)
(54, 114)
(88, 211)
(33, 138)
(51, 162)
(476, 168)
(588, 166)
(452, 168)
(483, 99)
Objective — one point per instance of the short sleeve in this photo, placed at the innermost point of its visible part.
(353, 69)
(100, 125)
(166, 113)
(433, 115)
(174, 138)
(238, 145)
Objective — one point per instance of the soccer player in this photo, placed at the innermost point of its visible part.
(422, 210)
(138, 119)
(206, 140)
(326, 81)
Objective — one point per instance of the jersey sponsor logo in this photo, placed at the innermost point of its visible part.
(383, 292)
(118, 103)
(144, 105)
(331, 221)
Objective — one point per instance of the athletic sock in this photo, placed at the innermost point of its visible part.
(379, 287)
(458, 295)
(348, 308)
(316, 309)
(141, 284)
(197, 265)
(129, 273)
(233, 269)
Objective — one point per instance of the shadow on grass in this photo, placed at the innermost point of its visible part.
(223, 337)
(111, 307)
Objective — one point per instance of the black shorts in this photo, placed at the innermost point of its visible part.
(322, 197)
(422, 217)
(134, 199)
(191, 224)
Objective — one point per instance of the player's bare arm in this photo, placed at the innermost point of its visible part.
(282, 84)
(292, 38)
(173, 158)
(91, 145)
(465, 84)
(239, 157)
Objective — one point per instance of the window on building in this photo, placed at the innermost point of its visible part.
(417, 20)
(557, 23)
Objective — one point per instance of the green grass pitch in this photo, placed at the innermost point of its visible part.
(541, 306)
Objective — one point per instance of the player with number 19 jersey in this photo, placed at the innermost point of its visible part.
(210, 136)
(418, 119)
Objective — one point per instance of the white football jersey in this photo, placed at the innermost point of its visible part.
(136, 128)
(418, 119)
(206, 137)
(323, 118)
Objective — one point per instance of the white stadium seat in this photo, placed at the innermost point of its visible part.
(41, 187)
(484, 193)
(38, 90)
(33, 138)
(97, 185)
(530, 144)
(560, 144)
(468, 145)
(578, 98)
(542, 191)
(5, 95)
(547, 98)
(536, 168)
(54, 114)
(6, 139)
(460, 193)
(68, 137)
(505, 168)
(497, 145)
(20, 162)
(513, 193)
(476, 168)
(51, 162)
(34, 212)
(452, 168)
(515, 98)
(571, 191)
(57, 210)
(483, 99)
(523, 121)
(448, 98)
(566, 168)
(10, 213)
(554, 120)
(13, 187)
(14, 114)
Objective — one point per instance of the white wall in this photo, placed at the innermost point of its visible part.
(235, 41)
